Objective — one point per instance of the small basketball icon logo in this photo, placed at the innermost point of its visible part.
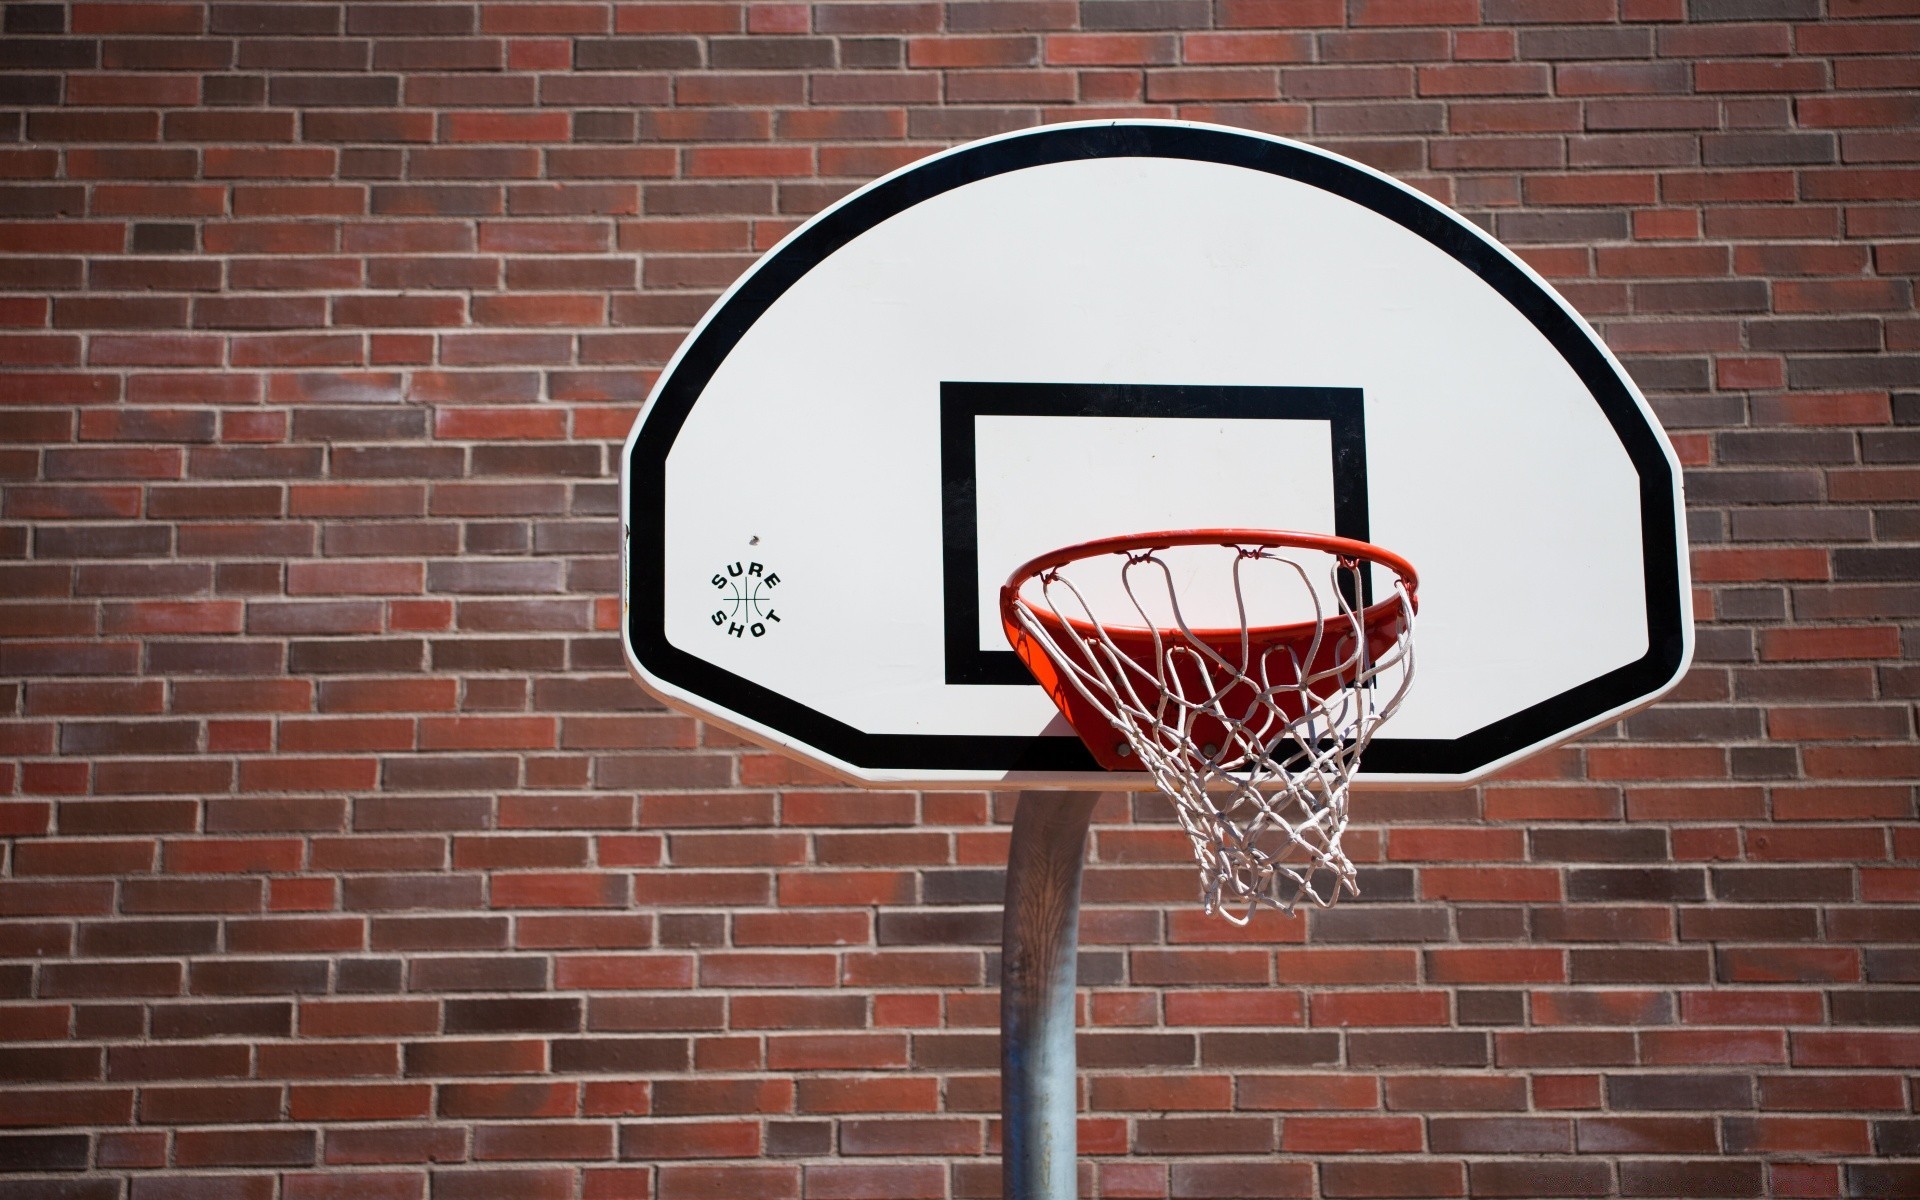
(746, 606)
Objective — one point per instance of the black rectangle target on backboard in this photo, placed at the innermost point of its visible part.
(963, 403)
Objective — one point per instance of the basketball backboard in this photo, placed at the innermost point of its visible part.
(1101, 328)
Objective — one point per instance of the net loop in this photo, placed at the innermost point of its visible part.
(1253, 731)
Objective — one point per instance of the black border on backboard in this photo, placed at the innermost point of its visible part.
(709, 345)
(1341, 409)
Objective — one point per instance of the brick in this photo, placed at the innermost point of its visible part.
(44, 1152)
(1440, 1048)
(1500, 1135)
(373, 1185)
(1496, 1178)
(775, 1182)
(516, 1016)
(1196, 1179)
(1820, 1093)
(1658, 1178)
(1442, 1093)
(66, 1106)
(1558, 1048)
(249, 1148)
(1337, 1135)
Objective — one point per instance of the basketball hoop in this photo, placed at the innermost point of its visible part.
(1254, 731)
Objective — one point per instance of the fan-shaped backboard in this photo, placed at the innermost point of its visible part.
(1103, 328)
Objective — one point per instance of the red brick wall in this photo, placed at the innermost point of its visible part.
(343, 860)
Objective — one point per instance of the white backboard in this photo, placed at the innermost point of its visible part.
(1115, 327)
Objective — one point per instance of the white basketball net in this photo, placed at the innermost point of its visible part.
(1267, 806)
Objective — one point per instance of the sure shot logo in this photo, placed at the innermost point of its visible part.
(745, 608)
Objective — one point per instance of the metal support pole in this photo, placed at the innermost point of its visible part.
(1039, 1084)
